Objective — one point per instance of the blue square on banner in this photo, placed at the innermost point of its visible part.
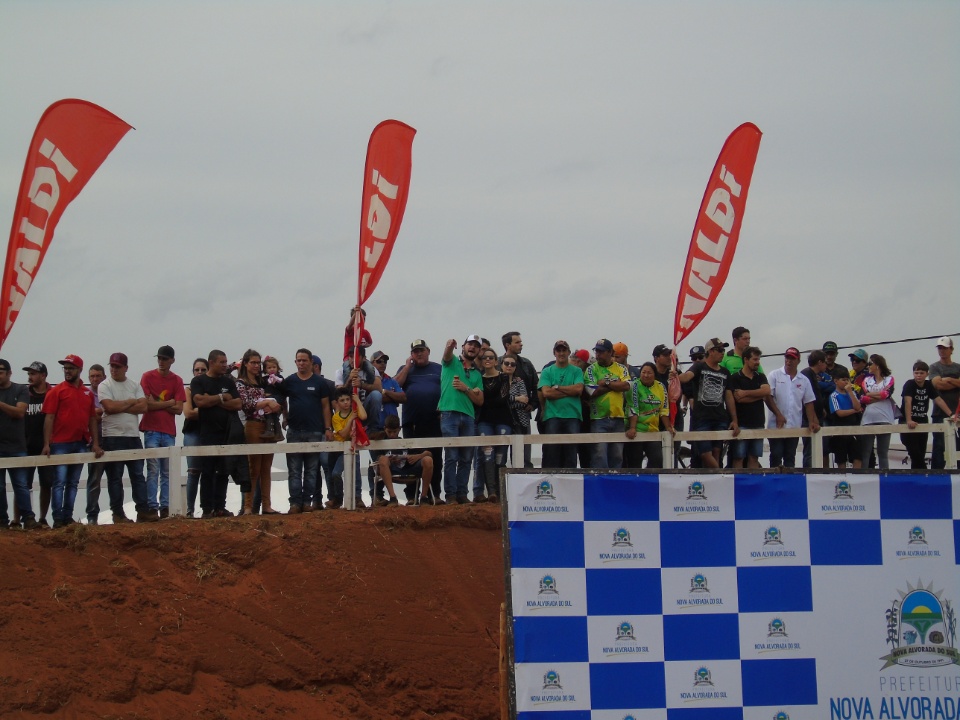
(555, 715)
(720, 713)
(546, 544)
(845, 542)
(698, 544)
(770, 497)
(627, 685)
(701, 637)
(956, 542)
(902, 499)
(779, 682)
(624, 592)
(774, 589)
(621, 497)
(538, 639)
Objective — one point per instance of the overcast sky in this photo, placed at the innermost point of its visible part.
(561, 155)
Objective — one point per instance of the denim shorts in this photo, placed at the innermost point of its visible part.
(740, 449)
(701, 447)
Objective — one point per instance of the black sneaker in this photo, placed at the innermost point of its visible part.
(119, 518)
(359, 502)
(393, 501)
(148, 516)
(164, 512)
(31, 524)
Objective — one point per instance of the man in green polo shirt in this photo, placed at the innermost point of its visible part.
(561, 385)
(461, 391)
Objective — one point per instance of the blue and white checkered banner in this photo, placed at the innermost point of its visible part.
(761, 597)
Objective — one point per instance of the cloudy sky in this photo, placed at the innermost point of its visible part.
(561, 156)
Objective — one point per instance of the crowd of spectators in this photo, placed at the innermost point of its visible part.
(475, 390)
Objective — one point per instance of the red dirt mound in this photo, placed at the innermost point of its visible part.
(387, 613)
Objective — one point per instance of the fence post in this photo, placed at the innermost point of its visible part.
(516, 451)
(949, 444)
(349, 479)
(666, 445)
(816, 449)
(178, 495)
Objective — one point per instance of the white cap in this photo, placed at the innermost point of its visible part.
(476, 339)
(945, 342)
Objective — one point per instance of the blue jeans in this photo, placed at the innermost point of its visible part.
(560, 456)
(193, 472)
(607, 455)
(373, 404)
(457, 461)
(302, 469)
(63, 494)
(336, 475)
(20, 480)
(491, 459)
(95, 472)
(158, 469)
(783, 452)
(114, 470)
(938, 458)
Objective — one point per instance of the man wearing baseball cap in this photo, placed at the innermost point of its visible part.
(945, 376)
(791, 397)
(14, 399)
(123, 402)
(419, 377)
(713, 407)
(165, 396)
(561, 385)
(461, 391)
(605, 382)
(33, 425)
(70, 420)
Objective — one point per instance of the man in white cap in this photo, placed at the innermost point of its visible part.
(461, 391)
(791, 396)
(945, 376)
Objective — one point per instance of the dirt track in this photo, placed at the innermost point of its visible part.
(387, 613)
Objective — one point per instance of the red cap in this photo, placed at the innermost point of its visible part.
(584, 355)
(72, 360)
(792, 352)
(118, 359)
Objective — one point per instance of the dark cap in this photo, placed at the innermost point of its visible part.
(317, 361)
(166, 351)
(118, 359)
(661, 349)
(792, 352)
(859, 354)
(4, 365)
(829, 346)
(417, 344)
(697, 350)
(381, 354)
(603, 344)
(36, 366)
(561, 344)
(715, 343)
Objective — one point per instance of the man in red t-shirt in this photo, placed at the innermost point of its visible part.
(165, 396)
(70, 424)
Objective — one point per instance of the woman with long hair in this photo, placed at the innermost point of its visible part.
(191, 437)
(493, 418)
(256, 405)
(879, 408)
(519, 400)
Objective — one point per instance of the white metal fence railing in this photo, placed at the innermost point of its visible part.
(176, 454)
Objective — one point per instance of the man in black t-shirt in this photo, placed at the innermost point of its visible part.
(13, 408)
(216, 398)
(714, 408)
(749, 387)
(33, 427)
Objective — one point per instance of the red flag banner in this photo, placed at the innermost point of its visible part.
(386, 181)
(71, 141)
(717, 229)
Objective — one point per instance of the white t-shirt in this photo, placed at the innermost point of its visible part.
(121, 424)
(878, 411)
(790, 394)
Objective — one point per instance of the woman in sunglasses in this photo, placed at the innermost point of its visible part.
(493, 418)
(191, 437)
(519, 400)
